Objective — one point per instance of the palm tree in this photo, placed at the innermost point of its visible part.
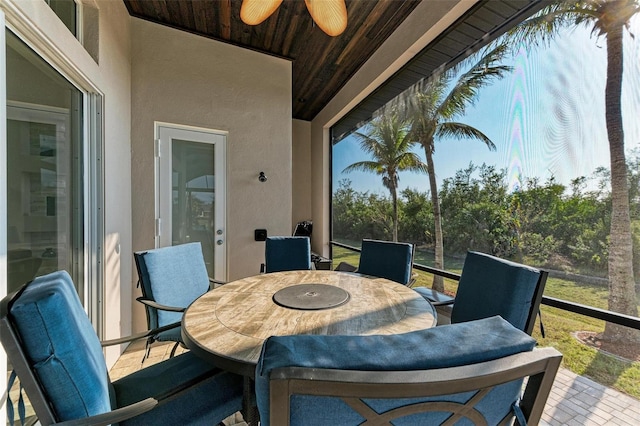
(606, 18)
(388, 144)
(432, 105)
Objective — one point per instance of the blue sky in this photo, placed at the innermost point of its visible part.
(546, 118)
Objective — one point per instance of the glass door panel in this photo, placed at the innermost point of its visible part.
(44, 170)
(45, 187)
(191, 193)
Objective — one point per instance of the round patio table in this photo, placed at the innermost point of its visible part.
(228, 325)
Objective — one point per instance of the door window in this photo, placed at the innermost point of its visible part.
(191, 191)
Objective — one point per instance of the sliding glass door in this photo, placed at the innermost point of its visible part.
(45, 164)
(53, 186)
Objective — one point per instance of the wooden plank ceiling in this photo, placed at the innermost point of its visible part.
(321, 64)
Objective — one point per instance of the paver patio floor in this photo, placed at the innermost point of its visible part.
(574, 400)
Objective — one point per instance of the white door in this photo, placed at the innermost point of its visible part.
(190, 192)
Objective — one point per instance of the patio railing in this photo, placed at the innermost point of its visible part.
(589, 311)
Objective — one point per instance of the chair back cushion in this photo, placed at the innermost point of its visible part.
(386, 259)
(492, 286)
(287, 254)
(172, 276)
(439, 347)
(62, 347)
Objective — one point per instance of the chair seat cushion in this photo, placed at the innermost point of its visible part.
(440, 347)
(62, 346)
(172, 335)
(434, 296)
(218, 395)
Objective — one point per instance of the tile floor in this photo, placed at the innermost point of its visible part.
(577, 400)
(574, 400)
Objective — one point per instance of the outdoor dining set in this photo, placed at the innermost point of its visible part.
(292, 345)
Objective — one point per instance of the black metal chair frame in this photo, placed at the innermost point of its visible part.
(32, 386)
(539, 365)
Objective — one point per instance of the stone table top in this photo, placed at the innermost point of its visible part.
(229, 324)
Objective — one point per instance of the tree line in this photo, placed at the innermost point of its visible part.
(541, 223)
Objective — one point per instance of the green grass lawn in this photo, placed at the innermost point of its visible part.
(559, 325)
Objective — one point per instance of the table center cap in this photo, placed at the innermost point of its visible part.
(311, 296)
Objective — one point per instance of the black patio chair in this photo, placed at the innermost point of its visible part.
(493, 286)
(170, 278)
(384, 259)
(59, 361)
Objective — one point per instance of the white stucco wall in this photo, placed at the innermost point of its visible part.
(115, 66)
(301, 154)
(185, 79)
(39, 27)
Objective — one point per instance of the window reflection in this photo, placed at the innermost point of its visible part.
(44, 179)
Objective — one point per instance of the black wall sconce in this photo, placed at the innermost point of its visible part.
(262, 177)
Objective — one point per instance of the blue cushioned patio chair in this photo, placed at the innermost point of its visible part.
(464, 374)
(386, 259)
(171, 278)
(287, 254)
(492, 286)
(59, 361)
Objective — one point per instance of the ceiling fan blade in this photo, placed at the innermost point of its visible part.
(329, 15)
(253, 12)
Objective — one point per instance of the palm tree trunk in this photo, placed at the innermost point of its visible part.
(438, 282)
(622, 294)
(394, 200)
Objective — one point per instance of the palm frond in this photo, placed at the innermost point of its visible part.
(419, 102)
(611, 15)
(411, 161)
(388, 143)
(463, 131)
(465, 92)
(601, 16)
(364, 166)
(539, 29)
(367, 143)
